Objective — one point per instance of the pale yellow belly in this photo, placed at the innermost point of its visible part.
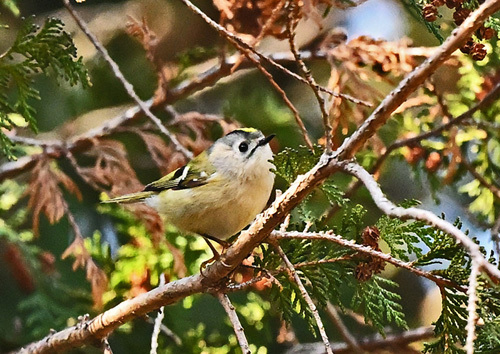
(219, 212)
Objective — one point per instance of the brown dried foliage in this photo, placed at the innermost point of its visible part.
(252, 16)
(95, 275)
(19, 269)
(112, 171)
(45, 195)
(354, 65)
(149, 40)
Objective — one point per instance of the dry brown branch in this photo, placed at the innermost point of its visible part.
(306, 296)
(350, 340)
(490, 186)
(235, 40)
(372, 343)
(291, 27)
(235, 322)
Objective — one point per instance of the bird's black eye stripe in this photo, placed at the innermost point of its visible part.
(243, 147)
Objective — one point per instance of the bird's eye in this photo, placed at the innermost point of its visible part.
(243, 147)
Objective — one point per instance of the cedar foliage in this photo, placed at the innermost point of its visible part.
(145, 248)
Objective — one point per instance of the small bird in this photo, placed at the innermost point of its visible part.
(218, 192)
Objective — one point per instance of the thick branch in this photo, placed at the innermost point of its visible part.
(392, 101)
(418, 214)
(369, 343)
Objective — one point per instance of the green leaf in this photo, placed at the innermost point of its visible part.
(378, 304)
(450, 326)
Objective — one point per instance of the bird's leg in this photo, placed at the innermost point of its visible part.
(216, 255)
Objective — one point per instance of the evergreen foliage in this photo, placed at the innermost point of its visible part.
(48, 50)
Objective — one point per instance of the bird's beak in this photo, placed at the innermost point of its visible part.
(265, 140)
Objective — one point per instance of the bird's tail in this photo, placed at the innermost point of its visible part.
(130, 198)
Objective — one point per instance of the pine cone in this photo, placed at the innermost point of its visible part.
(478, 52)
(451, 4)
(460, 15)
(467, 47)
(438, 3)
(486, 32)
(430, 13)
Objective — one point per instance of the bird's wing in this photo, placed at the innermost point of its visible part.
(191, 175)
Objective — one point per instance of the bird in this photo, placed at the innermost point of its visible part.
(217, 193)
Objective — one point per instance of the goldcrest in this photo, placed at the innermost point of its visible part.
(218, 192)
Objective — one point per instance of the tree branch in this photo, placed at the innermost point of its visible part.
(371, 343)
(307, 298)
(331, 237)
(397, 96)
(127, 85)
(350, 340)
(233, 318)
(418, 214)
(157, 322)
(471, 308)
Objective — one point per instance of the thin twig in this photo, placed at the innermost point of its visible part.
(350, 340)
(307, 298)
(165, 330)
(235, 40)
(106, 348)
(490, 186)
(418, 214)
(275, 13)
(127, 85)
(471, 308)
(235, 322)
(158, 321)
(331, 237)
(291, 26)
(495, 235)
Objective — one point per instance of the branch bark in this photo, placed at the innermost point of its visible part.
(368, 343)
(233, 318)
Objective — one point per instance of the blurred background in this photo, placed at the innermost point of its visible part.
(28, 310)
